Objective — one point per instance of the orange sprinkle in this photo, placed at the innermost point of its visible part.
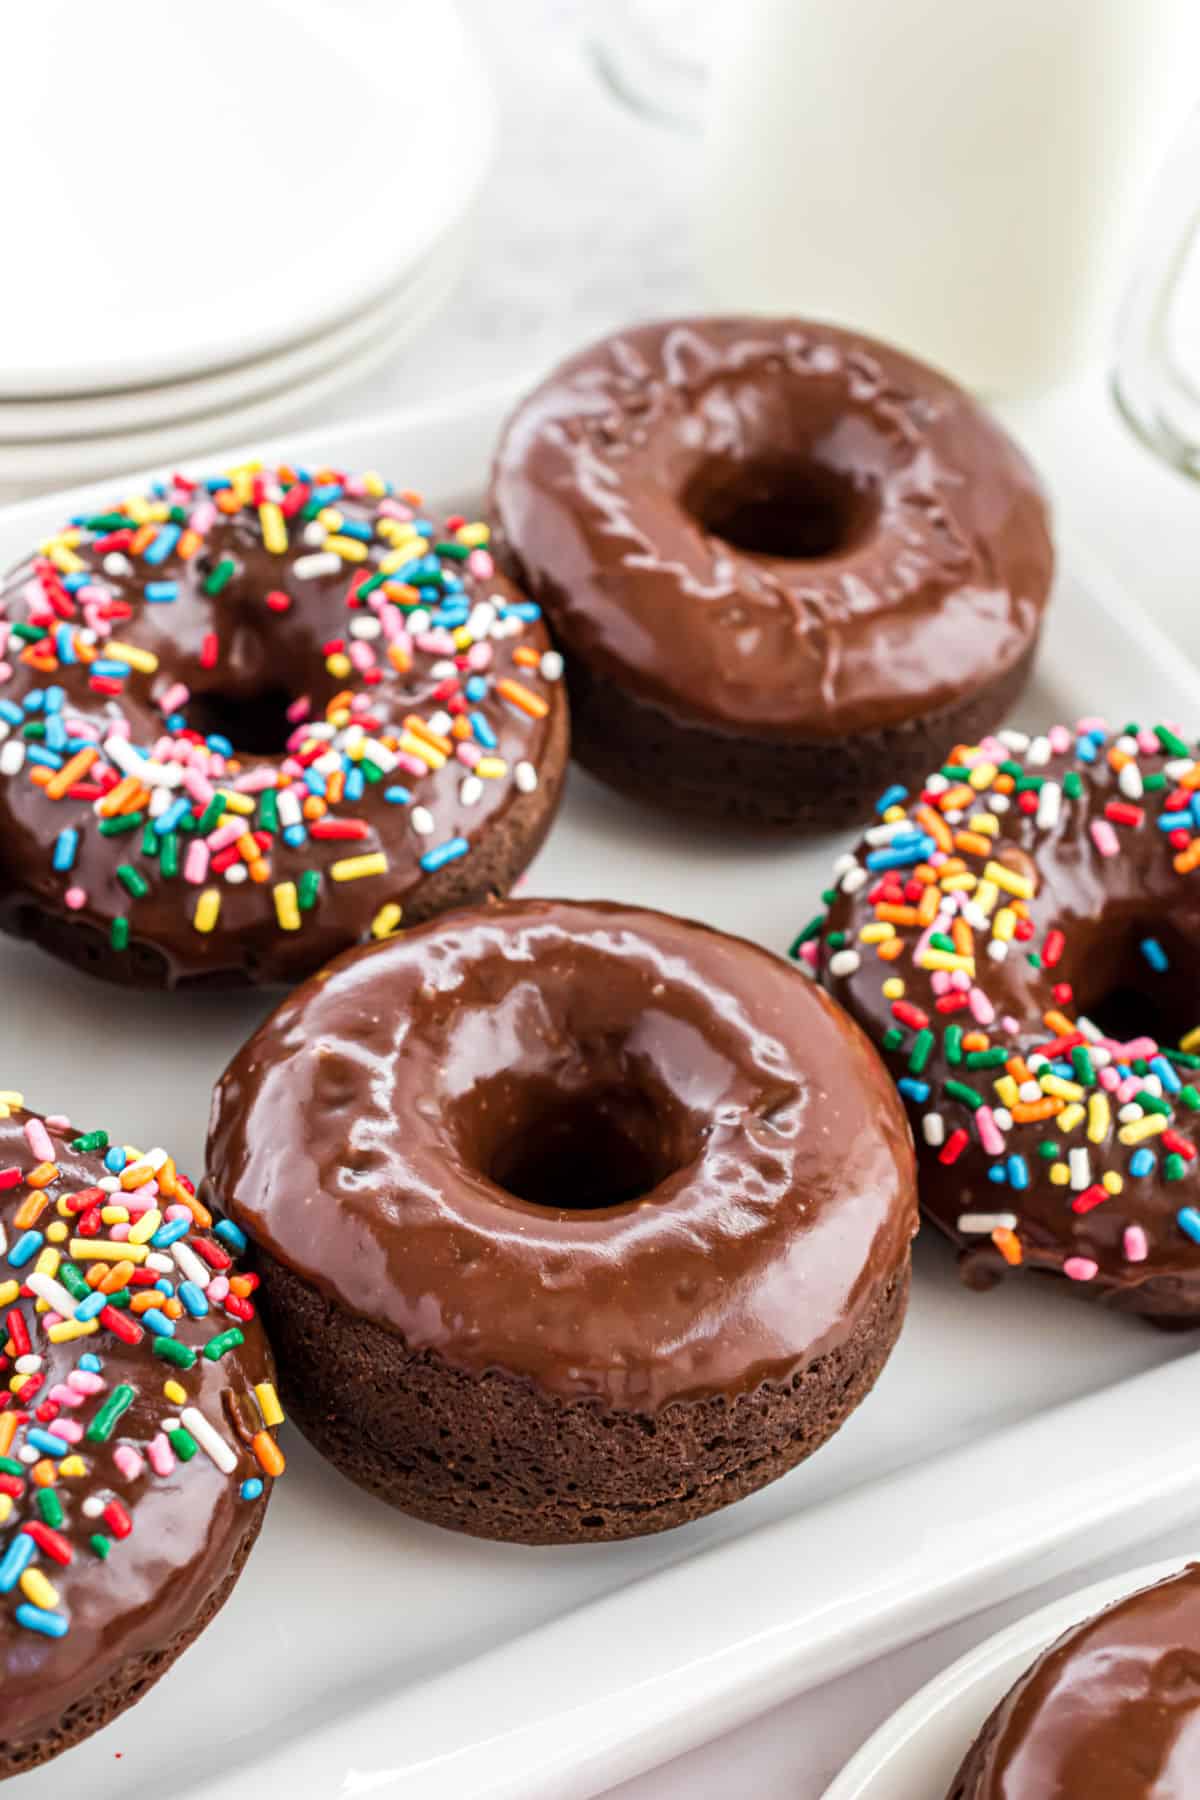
(270, 1456)
(44, 1473)
(526, 657)
(71, 772)
(935, 825)
(522, 697)
(227, 500)
(113, 1277)
(890, 950)
(927, 907)
(461, 727)
(1004, 784)
(188, 544)
(136, 1176)
(8, 1431)
(335, 788)
(196, 1207)
(958, 795)
(962, 937)
(122, 798)
(30, 1211)
(142, 538)
(973, 842)
(314, 807)
(1008, 1244)
(975, 1040)
(260, 871)
(1028, 1112)
(897, 915)
(239, 1285)
(419, 728)
(45, 1175)
(41, 776)
(1059, 1024)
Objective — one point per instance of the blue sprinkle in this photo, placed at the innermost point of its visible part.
(1085, 749)
(49, 759)
(893, 796)
(64, 645)
(314, 781)
(442, 854)
(483, 731)
(1154, 954)
(165, 540)
(294, 836)
(48, 1442)
(110, 667)
(252, 1488)
(56, 732)
(1166, 1074)
(221, 745)
(12, 715)
(16, 1560)
(34, 703)
(170, 819)
(160, 592)
(164, 1286)
(74, 582)
(1142, 1162)
(158, 1322)
(523, 609)
(114, 1159)
(321, 496)
(25, 1248)
(355, 528)
(49, 1624)
(1188, 1220)
(170, 1233)
(1175, 821)
(356, 783)
(231, 1235)
(913, 1089)
(997, 1173)
(901, 854)
(93, 1304)
(193, 1299)
(476, 688)
(397, 796)
(54, 699)
(91, 1363)
(1018, 1171)
(65, 846)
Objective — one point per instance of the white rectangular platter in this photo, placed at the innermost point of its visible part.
(364, 1655)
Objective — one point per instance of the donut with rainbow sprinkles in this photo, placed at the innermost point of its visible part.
(249, 721)
(1021, 940)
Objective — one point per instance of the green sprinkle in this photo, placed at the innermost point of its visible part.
(109, 521)
(1185, 1058)
(28, 634)
(955, 771)
(1015, 769)
(122, 823)
(213, 812)
(1190, 1097)
(828, 896)
(90, 1140)
(811, 930)
(133, 881)
(50, 1507)
(10, 1466)
(268, 811)
(368, 587)
(953, 1041)
(1048, 1149)
(104, 1423)
(149, 839)
(1082, 1063)
(1072, 784)
(919, 1054)
(172, 1351)
(958, 1090)
(1154, 1103)
(1174, 1167)
(307, 889)
(835, 939)
(1155, 783)
(168, 855)
(221, 576)
(100, 1544)
(118, 935)
(1031, 784)
(72, 1279)
(1169, 741)
(33, 732)
(182, 1443)
(892, 1038)
(940, 941)
(455, 552)
(216, 1347)
(987, 1059)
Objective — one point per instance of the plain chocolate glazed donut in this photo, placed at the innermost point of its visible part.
(788, 563)
(575, 1221)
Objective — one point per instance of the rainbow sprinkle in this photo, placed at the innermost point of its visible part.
(131, 1259)
(1062, 1121)
(431, 669)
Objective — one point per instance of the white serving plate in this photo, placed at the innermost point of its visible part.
(917, 1753)
(363, 1654)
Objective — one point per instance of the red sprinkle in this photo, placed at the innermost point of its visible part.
(1090, 1197)
(954, 1146)
(117, 1519)
(52, 1542)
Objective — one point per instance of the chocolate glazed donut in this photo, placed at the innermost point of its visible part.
(1110, 1712)
(575, 1222)
(789, 564)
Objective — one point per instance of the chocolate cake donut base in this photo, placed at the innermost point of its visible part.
(128, 1683)
(495, 1457)
(815, 785)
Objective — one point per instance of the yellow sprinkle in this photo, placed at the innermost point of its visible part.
(355, 868)
(1008, 1092)
(268, 1401)
(1139, 1129)
(986, 896)
(338, 665)
(1060, 1174)
(387, 919)
(103, 1250)
(1112, 1183)
(1004, 924)
(349, 549)
(37, 1589)
(147, 1225)
(982, 776)
(893, 988)
(462, 637)
(374, 483)
(208, 909)
(176, 1394)
(493, 766)
(287, 906)
(331, 518)
(943, 959)
(237, 803)
(71, 1466)
(1069, 1118)
(894, 814)
(1099, 1118)
(72, 1328)
(56, 1231)
(6, 1506)
(877, 931)
(428, 753)
(114, 1215)
(1009, 880)
(9, 1291)
(1190, 1042)
(986, 824)
(66, 561)
(144, 661)
(10, 1097)
(1062, 1090)
(274, 527)
(475, 533)
(958, 884)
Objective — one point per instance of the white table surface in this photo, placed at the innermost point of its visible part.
(584, 228)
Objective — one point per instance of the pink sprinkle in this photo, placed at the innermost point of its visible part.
(479, 656)
(396, 509)
(1140, 1047)
(195, 863)
(1105, 838)
(62, 1395)
(469, 754)
(5, 671)
(128, 1461)
(160, 1454)
(255, 781)
(1136, 1247)
(1059, 739)
(203, 516)
(1093, 722)
(437, 643)
(299, 709)
(76, 898)
(940, 981)
(217, 1288)
(84, 1381)
(118, 1233)
(480, 563)
(224, 836)
(1081, 1268)
(960, 980)
(70, 1429)
(412, 765)
(197, 787)
(58, 1122)
(1108, 1078)
(982, 1010)
(1148, 744)
(39, 1140)
(809, 953)
(175, 698)
(990, 1134)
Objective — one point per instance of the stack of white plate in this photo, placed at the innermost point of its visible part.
(217, 216)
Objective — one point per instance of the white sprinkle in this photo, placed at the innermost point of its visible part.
(418, 622)
(443, 669)
(325, 562)
(470, 790)
(29, 1365)
(1014, 740)
(236, 873)
(933, 1129)
(28, 1454)
(999, 803)
(1179, 766)
(440, 722)
(1002, 1117)
(288, 805)
(847, 860)
(551, 666)
(314, 532)
(844, 962)
(526, 777)
(53, 1293)
(115, 563)
(1039, 752)
(1130, 781)
(366, 625)
(853, 879)
(92, 1507)
(12, 757)
(883, 834)
(189, 1264)
(936, 784)
(422, 821)
(379, 754)
(997, 949)
(1049, 806)
(209, 1439)
(108, 1184)
(1081, 1168)
(987, 1222)
(1029, 1091)
(481, 619)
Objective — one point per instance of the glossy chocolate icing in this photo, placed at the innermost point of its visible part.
(929, 561)
(1109, 1712)
(1105, 906)
(187, 1526)
(354, 1135)
(265, 658)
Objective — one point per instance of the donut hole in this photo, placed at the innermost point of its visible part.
(1123, 991)
(255, 724)
(800, 509)
(582, 1152)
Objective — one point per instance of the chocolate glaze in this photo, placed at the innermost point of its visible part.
(1104, 906)
(354, 1135)
(930, 556)
(1109, 1712)
(263, 655)
(187, 1526)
